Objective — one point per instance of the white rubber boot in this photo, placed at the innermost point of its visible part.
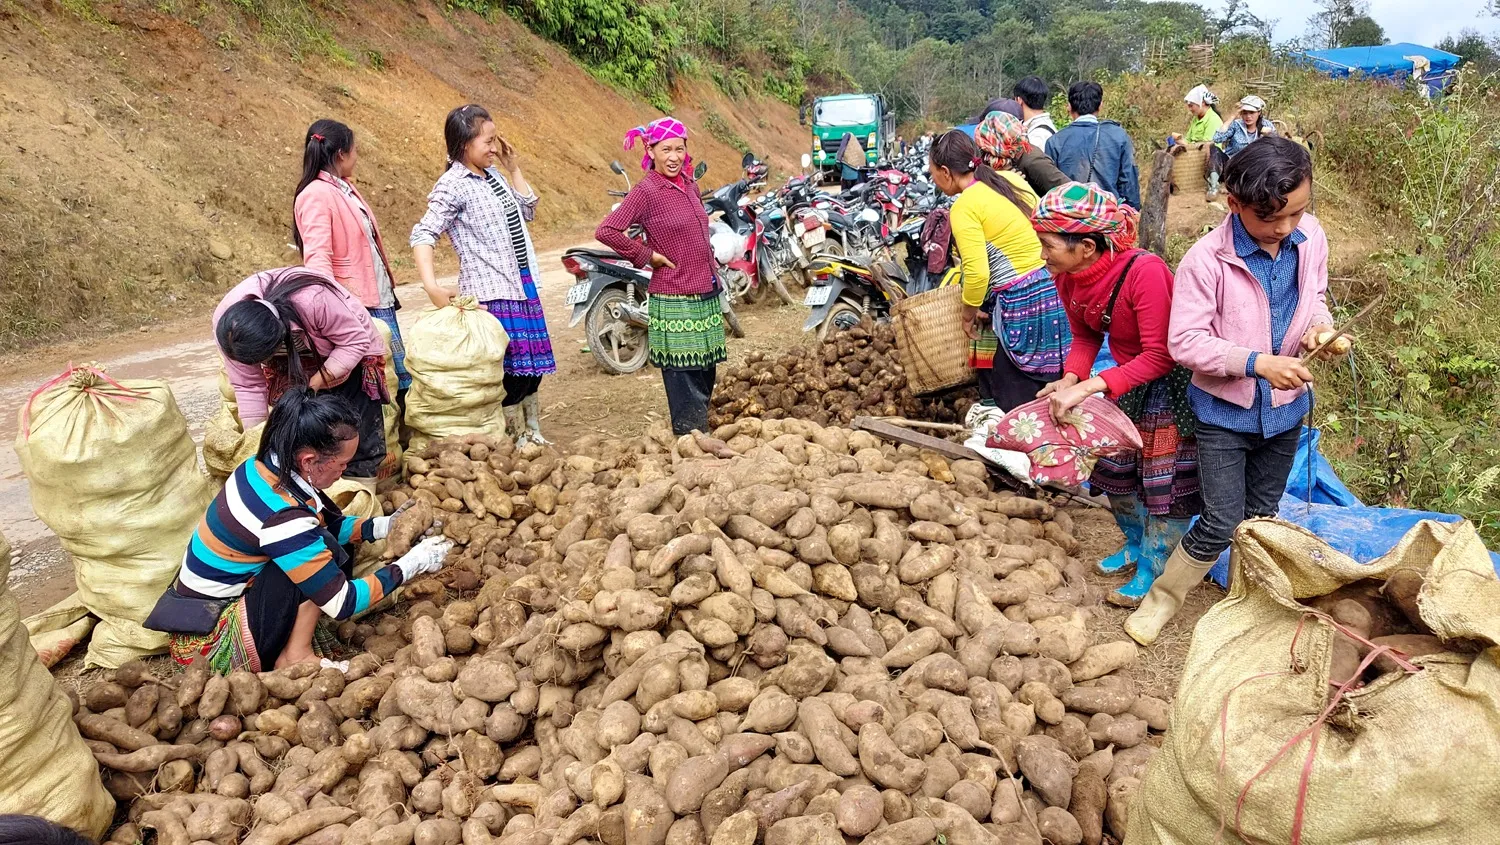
(1165, 598)
(531, 407)
(515, 428)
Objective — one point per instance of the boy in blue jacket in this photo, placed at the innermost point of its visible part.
(1094, 150)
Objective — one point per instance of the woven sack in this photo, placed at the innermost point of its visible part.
(1190, 169)
(1411, 758)
(226, 444)
(455, 355)
(114, 474)
(930, 338)
(45, 769)
(391, 466)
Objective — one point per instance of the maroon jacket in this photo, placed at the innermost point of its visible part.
(676, 225)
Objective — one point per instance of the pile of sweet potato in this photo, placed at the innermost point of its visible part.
(854, 372)
(780, 633)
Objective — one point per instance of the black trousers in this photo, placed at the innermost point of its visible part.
(1242, 477)
(371, 452)
(1217, 160)
(518, 388)
(688, 392)
(272, 601)
(1007, 385)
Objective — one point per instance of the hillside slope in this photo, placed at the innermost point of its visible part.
(140, 142)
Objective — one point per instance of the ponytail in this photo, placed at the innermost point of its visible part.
(304, 420)
(325, 140)
(956, 151)
(252, 330)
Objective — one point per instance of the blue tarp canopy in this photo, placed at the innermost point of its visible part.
(1384, 61)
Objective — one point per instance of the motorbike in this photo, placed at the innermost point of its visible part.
(610, 297)
(737, 234)
(846, 289)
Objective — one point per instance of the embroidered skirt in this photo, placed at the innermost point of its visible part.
(1164, 474)
(686, 331)
(1028, 316)
(529, 351)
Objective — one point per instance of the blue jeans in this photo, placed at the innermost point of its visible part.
(1242, 477)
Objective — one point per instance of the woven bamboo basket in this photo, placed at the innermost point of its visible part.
(930, 338)
(1190, 169)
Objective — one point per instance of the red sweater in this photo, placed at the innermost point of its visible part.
(676, 225)
(1138, 330)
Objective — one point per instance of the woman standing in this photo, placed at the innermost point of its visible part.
(482, 202)
(1110, 288)
(1002, 140)
(267, 561)
(336, 231)
(295, 328)
(686, 330)
(1018, 334)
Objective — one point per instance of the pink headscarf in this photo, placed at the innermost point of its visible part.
(653, 133)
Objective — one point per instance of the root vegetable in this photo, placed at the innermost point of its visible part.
(299, 826)
(114, 732)
(1100, 660)
(148, 759)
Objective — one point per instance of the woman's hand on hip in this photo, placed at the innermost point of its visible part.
(1282, 371)
(969, 318)
(659, 261)
(1068, 380)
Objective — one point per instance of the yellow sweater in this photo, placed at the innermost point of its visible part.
(980, 218)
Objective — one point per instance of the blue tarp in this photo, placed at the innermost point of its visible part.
(1387, 61)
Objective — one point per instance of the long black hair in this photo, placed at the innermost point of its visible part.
(301, 420)
(956, 151)
(255, 329)
(325, 140)
(462, 126)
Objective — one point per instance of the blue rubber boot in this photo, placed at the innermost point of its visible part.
(1130, 515)
(1161, 537)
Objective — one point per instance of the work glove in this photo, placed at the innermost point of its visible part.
(426, 557)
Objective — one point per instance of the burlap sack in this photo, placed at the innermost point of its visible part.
(59, 629)
(454, 355)
(1411, 758)
(114, 474)
(226, 445)
(45, 769)
(391, 466)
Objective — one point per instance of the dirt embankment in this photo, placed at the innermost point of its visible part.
(151, 148)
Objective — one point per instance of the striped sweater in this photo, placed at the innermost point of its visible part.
(252, 522)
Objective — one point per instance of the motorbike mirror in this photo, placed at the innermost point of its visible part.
(699, 170)
(748, 160)
(616, 168)
(806, 161)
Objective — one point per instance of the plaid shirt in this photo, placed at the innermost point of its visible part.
(676, 225)
(468, 211)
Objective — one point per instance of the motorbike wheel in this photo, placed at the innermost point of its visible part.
(778, 284)
(732, 323)
(619, 347)
(841, 317)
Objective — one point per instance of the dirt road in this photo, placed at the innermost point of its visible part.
(581, 398)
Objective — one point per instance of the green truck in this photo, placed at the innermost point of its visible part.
(865, 115)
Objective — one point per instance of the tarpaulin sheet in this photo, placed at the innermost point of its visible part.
(1384, 61)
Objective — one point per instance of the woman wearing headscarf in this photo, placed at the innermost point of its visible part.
(483, 203)
(851, 159)
(1233, 137)
(296, 328)
(1110, 288)
(1002, 141)
(1017, 332)
(685, 333)
(336, 230)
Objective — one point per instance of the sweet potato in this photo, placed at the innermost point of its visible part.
(408, 527)
(1403, 588)
(1100, 660)
(883, 763)
(1048, 769)
(859, 810)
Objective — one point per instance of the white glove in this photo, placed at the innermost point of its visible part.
(381, 525)
(427, 556)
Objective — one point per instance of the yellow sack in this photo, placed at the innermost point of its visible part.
(455, 356)
(225, 443)
(45, 769)
(114, 474)
(1410, 758)
(57, 630)
(391, 466)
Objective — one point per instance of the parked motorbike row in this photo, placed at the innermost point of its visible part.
(856, 253)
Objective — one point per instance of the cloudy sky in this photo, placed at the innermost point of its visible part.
(1404, 20)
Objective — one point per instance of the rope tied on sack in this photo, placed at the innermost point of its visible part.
(86, 379)
(1313, 732)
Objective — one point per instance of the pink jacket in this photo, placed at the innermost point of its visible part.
(1220, 312)
(333, 239)
(336, 326)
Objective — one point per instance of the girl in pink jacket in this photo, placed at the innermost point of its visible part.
(336, 230)
(1249, 299)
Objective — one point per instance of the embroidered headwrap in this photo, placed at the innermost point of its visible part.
(1002, 140)
(653, 133)
(1080, 209)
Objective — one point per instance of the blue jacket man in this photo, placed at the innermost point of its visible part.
(1094, 150)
